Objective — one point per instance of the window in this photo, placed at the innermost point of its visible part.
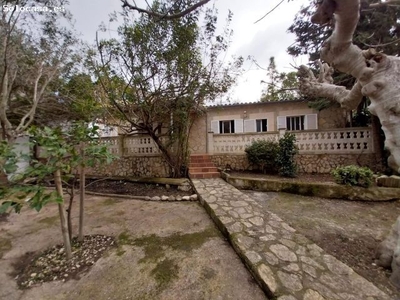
(227, 126)
(295, 123)
(261, 125)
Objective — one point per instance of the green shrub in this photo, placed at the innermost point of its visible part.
(353, 175)
(286, 155)
(263, 154)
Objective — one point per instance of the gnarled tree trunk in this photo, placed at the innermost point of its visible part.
(378, 77)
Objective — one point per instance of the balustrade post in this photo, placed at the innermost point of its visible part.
(210, 142)
(121, 146)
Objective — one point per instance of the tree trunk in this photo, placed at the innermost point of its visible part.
(378, 78)
(69, 211)
(82, 183)
(165, 153)
(61, 211)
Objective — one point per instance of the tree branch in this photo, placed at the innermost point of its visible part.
(310, 86)
(154, 14)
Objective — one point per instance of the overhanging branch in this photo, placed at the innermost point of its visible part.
(154, 14)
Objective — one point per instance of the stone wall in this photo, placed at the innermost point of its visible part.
(324, 163)
(143, 166)
(198, 136)
(308, 163)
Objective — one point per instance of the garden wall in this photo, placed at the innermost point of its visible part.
(308, 163)
(142, 166)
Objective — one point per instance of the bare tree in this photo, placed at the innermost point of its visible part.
(377, 77)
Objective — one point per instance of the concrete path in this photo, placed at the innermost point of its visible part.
(286, 264)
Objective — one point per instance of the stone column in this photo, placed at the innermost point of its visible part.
(210, 142)
(121, 146)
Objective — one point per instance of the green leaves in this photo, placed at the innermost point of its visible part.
(353, 175)
(263, 153)
(58, 149)
(286, 156)
(8, 158)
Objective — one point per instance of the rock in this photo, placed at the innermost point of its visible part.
(33, 275)
(171, 198)
(268, 277)
(184, 187)
(392, 181)
(290, 281)
(312, 295)
(186, 198)
(283, 253)
(167, 186)
(178, 198)
(193, 197)
(156, 198)
(395, 277)
(164, 198)
(385, 250)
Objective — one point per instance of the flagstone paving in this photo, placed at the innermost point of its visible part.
(286, 264)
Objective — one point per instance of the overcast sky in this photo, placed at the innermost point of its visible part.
(262, 40)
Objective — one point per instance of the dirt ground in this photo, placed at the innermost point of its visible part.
(165, 251)
(348, 230)
(135, 189)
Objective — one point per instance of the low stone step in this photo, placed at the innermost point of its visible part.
(199, 156)
(199, 175)
(203, 169)
(201, 165)
(200, 160)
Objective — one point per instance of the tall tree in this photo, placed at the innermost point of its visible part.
(280, 86)
(377, 76)
(159, 73)
(34, 50)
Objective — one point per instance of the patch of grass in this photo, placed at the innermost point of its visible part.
(164, 272)
(49, 220)
(184, 242)
(123, 239)
(208, 273)
(5, 245)
(154, 245)
(110, 201)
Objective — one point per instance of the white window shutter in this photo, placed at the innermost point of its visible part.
(281, 122)
(215, 126)
(238, 125)
(250, 125)
(311, 122)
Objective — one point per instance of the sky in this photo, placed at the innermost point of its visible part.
(262, 40)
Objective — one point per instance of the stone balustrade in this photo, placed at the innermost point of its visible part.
(124, 146)
(334, 141)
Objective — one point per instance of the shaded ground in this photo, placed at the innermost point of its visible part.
(135, 189)
(348, 230)
(165, 251)
(327, 178)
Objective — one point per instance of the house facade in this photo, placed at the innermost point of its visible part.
(324, 142)
(260, 118)
(224, 132)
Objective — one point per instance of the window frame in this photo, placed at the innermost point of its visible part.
(260, 125)
(298, 122)
(223, 123)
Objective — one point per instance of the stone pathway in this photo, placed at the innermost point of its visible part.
(286, 264)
